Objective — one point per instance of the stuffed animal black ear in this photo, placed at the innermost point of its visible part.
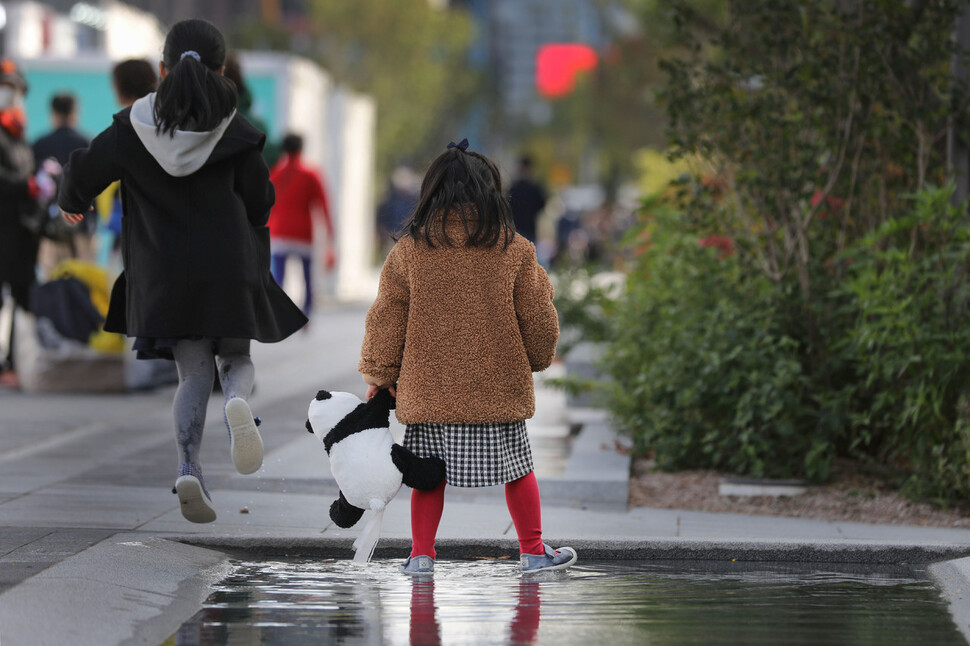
(343, 514)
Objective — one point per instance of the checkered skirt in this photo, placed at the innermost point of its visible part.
(475, 455)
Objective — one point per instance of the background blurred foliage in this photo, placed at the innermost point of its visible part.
(612, 114)
(801, 293)
(410, 57)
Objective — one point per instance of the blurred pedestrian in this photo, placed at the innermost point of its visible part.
(58, 145)
(527, 199)
(18, 240)
(64, 138)
(300, 194)
(463, 317)
(398, 204)
(196, 285)
(132, 79)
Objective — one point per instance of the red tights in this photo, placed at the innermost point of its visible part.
(521, 496)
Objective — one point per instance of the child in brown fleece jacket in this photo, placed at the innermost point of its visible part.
(463, 317)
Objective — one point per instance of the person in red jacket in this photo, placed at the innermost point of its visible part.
(299, 194)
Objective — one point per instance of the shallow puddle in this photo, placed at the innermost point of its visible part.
(294, 603)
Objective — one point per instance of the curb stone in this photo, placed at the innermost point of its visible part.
(128, 589)
(953, 579)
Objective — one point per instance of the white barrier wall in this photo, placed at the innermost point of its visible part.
(338, 128)
(353, 124)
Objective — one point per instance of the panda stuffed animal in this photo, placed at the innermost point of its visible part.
(366, 463)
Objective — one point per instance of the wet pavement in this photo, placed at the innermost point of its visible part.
(83, 478)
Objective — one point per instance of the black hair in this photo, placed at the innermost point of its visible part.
(466, 185)
(194, 95)
(525, 162)
(134, 78)
(292, 144)
(63, 104)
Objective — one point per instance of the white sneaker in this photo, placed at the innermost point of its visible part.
(245, 442)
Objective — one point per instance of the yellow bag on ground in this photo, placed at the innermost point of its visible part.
(96, 280)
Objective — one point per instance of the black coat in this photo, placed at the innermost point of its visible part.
(195, 248)
(18, 246)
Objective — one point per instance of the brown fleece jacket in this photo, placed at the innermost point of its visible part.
(460, 330)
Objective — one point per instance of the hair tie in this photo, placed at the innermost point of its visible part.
(191, 53)
(461, 145)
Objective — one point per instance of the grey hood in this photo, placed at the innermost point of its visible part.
(182, 154)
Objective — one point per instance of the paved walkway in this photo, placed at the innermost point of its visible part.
(78, 471)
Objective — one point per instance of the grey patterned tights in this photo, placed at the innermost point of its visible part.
(196, 361)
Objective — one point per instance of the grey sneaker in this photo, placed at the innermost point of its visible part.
(194, 499)
(552, 560)
(418, 565)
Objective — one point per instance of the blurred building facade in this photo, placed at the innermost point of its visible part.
(221, 12)
(40, 29)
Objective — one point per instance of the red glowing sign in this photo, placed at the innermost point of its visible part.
(557, 66)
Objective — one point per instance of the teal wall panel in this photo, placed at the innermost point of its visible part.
(96, 99)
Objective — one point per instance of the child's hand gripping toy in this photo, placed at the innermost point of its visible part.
(366, 463)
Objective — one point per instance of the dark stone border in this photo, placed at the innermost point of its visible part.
(659, 549)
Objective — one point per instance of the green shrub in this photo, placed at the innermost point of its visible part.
(703, 375)
(912, 341)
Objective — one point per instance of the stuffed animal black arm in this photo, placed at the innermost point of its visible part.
(418, 473)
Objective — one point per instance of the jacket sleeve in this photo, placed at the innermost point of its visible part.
(89, 171)
(538, 321)
(14, 184)
(386, 324)
(252, 183)
(319, 196)
(14, 180)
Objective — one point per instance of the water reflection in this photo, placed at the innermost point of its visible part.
(426, 630)
(489, 602)
(525, 623)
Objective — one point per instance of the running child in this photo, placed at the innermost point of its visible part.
(463, 317)
(196, 285)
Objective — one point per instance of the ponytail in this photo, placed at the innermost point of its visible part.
(194, 95)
